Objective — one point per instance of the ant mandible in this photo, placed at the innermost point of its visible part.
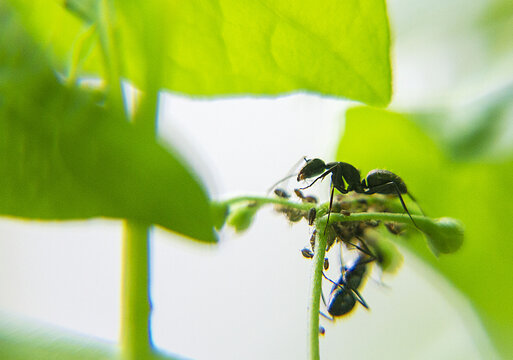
(377, 181)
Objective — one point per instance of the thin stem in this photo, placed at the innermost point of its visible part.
(394, 217)
(315, 300)
(265, 200)
(135, 297)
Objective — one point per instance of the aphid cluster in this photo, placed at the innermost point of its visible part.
(352, 235)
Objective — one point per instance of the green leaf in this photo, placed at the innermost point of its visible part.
(336, 48)
(66, 157)
(22, 340)
(220, 213)
(477, 193)
(476, 130)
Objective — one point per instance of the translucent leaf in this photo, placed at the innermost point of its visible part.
(66, 157)
(205, 48)
(477, 193)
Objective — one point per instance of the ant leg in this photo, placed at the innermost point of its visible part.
(329, 209)
(335, 283)
(325, 305)
(415, 201)
(326, 316)
(364, 248)
(322, 176)
(360, 299)
(386, 186)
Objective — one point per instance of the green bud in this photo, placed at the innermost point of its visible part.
(240, 218)
(444, 235)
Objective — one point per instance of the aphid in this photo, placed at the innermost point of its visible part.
(394, 228)
(376, 182)
(326, 264)
(312, 213)
(312, 239)
(281, 193)
(305, 199)
(307, 253)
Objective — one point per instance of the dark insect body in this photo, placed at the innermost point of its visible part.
(307, 253)
(312, 214)
(344, 293)
(377, 181)
(281, 193)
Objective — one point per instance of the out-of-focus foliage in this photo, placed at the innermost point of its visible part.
(497, 23)
(69, 153)
(336, 48)
(66, 157)
(22, 340)
(475, 191)
(480, 129)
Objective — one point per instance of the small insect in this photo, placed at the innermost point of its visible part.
(312, 213)
(306, 199)
(377, 181)
(326, 264)
(307, 253)
(281, 193)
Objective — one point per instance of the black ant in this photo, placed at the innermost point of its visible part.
(344, 293)
(377, 181)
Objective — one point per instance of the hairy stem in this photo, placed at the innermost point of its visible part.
(315, 299)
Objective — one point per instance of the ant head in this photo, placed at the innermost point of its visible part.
(312, 168)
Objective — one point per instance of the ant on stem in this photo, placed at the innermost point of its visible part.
(377, 181)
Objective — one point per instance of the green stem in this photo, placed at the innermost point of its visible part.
(265, 200)
(135, 295)
(393, 217)
(135, 298)
(315, 300)
(318, 262)
(110, 54)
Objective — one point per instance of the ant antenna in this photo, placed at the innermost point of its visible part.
(279, 182)
(291, 172)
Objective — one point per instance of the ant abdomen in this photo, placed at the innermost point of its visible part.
(378, 179)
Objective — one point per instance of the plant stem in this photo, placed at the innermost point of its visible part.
(266, 200)
(317, 268)
(135, 298)
(135, 294)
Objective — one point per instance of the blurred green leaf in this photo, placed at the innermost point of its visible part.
(476, 130)
(220, 212)
(23, 340)
(56, 25)
(497, 22)
(205, 48)
(66, 157)
(477, 193)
